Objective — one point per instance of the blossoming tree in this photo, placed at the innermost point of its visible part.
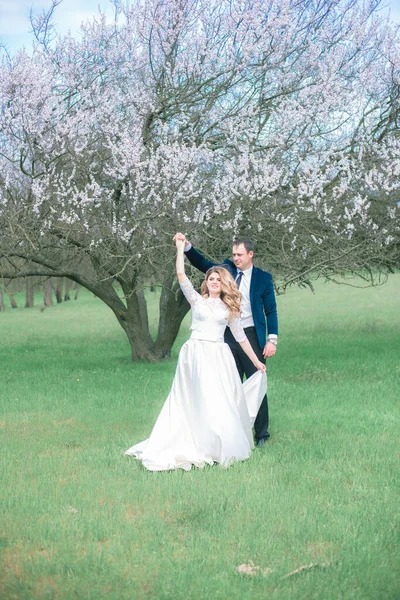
(273, 119)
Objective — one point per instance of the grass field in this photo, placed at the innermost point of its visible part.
(82, 521)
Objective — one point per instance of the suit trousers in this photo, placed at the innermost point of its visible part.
(246, 367)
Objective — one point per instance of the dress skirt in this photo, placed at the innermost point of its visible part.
(208, 415)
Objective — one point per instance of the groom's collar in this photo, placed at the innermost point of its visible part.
(245, 272)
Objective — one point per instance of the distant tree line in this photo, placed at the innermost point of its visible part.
(59, 287)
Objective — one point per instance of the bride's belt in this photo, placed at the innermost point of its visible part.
(205, 337)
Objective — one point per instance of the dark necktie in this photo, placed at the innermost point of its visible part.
(239, 278)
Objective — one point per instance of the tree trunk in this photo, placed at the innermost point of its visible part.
(2, 307)
(132, 318)
(59, 289)
(68, 285)
(12, 300)
(141, 348)
(47, 293)
(173, 308)
(135, 323)
(29, 292)
(136, 326)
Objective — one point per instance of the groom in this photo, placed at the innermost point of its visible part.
(258, 312)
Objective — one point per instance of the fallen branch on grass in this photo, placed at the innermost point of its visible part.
(305, 568)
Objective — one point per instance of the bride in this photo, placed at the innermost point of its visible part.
(208, 415)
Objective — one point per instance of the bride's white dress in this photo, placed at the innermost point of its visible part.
(209, 413)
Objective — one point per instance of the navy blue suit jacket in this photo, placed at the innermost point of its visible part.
(262, 295)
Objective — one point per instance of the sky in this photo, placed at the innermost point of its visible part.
(15, 25)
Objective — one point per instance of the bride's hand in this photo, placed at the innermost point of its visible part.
(260, 366)
(180, 244)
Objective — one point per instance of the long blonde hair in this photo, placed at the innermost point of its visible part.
(230, 294)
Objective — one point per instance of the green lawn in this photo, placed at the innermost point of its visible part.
(81, 520)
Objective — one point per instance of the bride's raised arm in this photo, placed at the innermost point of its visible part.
(180, 260)
(187, 288)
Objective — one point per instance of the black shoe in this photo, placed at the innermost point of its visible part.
(260, 443)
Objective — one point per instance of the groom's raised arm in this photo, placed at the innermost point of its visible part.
(198, 260)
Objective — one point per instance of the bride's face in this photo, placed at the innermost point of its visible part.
(213, 284)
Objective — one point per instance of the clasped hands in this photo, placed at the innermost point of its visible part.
(180, 237)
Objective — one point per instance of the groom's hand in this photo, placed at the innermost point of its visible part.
(269, 350)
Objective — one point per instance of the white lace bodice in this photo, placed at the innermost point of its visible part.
(210, 317)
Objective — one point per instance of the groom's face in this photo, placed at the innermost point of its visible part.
(242, 259)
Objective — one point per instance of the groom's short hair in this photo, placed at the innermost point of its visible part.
(248, 244)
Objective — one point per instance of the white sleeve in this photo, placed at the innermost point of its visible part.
(189, 292)
(237, 329)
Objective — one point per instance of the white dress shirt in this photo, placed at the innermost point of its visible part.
(246, 317)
